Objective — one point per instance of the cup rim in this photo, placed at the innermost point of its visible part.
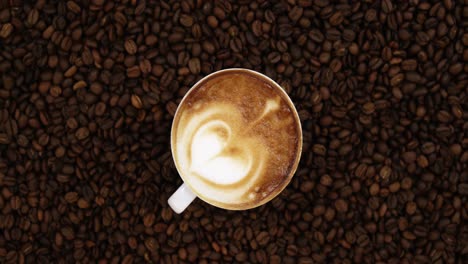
(299, 147)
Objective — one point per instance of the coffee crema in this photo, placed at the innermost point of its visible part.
(236, 139)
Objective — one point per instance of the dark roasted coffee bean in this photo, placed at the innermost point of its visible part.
(136, 101)
(130, 46)
(341, 205)
(296, 13)
(82, 133)
(6, 30)
(194, 65)
(387, 6)
(4, 138)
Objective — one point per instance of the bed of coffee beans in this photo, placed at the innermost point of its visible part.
(88, 91)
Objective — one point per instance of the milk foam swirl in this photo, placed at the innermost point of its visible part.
(215, 156)
(220, 150)
(235, 140)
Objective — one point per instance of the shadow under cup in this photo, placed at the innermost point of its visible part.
(236, 140)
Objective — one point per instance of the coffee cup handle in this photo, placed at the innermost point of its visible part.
(181, 199)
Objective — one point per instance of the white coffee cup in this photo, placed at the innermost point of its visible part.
(186, 193)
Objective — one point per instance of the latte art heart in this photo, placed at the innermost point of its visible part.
(235, 141)
(215, 156)
(220, 152)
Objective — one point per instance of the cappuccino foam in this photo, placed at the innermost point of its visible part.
(235, 140)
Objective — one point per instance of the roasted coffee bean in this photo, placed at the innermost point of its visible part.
(4, 138)
(71, 197)
(6, 30)
(194, 65)
(130, 46)
(82, 133)
(33, 17)
(341, 205)
(387, 6)
(262, 238)
(136, 101)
